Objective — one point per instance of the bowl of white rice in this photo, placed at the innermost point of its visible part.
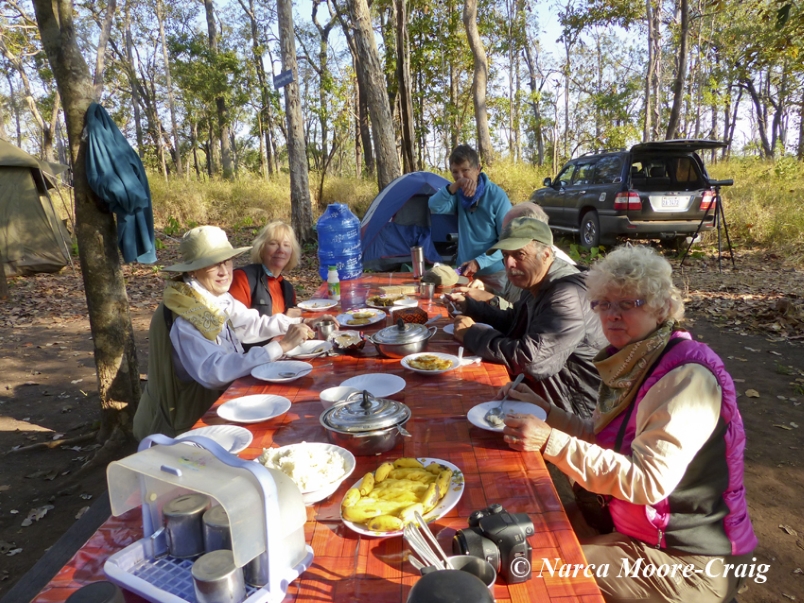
(317, 468)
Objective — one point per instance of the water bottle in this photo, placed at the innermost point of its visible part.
(339, 242)
(333, 284)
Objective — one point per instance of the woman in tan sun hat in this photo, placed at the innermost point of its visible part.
(197, 334)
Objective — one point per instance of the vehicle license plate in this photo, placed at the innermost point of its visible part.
(670, 201)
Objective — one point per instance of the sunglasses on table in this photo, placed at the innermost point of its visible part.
(623, 305)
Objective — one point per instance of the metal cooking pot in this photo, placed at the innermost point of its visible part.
(402, 339)
(366, 425)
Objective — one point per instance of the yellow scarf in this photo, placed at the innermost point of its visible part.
(623, 372)
(180, 298)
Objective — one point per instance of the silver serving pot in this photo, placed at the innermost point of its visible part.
(402, 339)
(366, 425)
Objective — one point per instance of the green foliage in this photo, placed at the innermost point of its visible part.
(783, 369)
(172, 227)
(763, 208)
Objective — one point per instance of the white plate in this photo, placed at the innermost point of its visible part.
(310, 349)
(379, 385)
(317, 305)
(443, 507)
(253, 409)
(450, 329)
(310, 497)
(232, 438)
(407, 302)
(376, 316)
(273, 371)
(370, 304)
(454, 362)
(477, 413)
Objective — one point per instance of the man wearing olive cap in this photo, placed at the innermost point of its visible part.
(551, 333)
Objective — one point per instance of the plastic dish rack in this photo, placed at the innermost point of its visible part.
(265, 509)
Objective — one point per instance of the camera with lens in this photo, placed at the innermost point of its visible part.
(501, 538)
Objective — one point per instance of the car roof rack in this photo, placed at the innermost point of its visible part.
(601, 151)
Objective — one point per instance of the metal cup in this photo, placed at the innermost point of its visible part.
(217, 534)
(417, 261)
(256, 570)
(476, 566)
(217, 579)
(426, 290)
(184, 525)
(325, 328)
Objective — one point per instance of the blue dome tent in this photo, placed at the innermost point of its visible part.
(399, 219)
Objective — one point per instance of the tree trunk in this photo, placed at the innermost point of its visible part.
(653, 101)
(132, 76)
(767, 149)
(403, 77)
(535, 93)
(300, 204)
(382, 126)
(800, 152)
(220, 102)
(479, 82)
(15, 106)
(103, 40)
(107, 301)
(363, 123)
(169, 84)
(681, 71)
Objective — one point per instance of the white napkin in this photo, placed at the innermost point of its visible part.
(467, 360)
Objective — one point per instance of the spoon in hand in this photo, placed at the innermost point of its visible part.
(494, 417)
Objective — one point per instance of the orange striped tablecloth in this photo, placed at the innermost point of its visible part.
(349, 566)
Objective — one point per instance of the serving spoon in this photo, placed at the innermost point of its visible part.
(494, 416)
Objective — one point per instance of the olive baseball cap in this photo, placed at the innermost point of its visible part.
(520, 232)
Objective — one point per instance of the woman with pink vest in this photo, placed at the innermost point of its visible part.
(663, 449)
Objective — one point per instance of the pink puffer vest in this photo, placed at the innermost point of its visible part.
(707, 513)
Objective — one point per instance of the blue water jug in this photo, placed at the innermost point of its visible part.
(339, 242)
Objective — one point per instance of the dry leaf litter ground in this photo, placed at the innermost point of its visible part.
(752, 316)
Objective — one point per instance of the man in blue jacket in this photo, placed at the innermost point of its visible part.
(481, 206)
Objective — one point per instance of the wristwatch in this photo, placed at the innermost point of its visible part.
(494, 302)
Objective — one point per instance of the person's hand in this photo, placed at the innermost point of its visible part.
(476, 293)
(458, 300)
(467, 185)
(296, 335)
(461, 324)
(475, 284)
(523, 393)
(526, 432)
(293, 312)
(469, 268)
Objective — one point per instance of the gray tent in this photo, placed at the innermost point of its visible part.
(32, 237)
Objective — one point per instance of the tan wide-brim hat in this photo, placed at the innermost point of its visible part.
(205, 246)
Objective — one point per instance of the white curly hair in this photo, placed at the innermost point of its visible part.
(639, 272)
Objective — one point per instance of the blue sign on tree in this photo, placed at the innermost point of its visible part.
(283, 79)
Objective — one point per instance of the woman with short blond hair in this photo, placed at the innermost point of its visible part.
(261, 285)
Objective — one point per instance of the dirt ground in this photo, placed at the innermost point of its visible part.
(753, 317)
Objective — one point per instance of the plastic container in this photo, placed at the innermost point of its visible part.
(264, 506)
(333, 284)
(339, 242)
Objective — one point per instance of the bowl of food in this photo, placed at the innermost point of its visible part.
(318, 469)
(347, 341)
(331, 395)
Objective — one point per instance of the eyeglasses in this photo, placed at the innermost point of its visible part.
(624, 305)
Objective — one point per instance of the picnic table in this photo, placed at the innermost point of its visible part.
(355, 567)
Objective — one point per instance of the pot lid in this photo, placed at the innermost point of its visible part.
(363, 412)
(402, 332)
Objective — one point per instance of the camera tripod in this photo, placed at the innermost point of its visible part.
(720, 220)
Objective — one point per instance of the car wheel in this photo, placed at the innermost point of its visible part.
(590, 230)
